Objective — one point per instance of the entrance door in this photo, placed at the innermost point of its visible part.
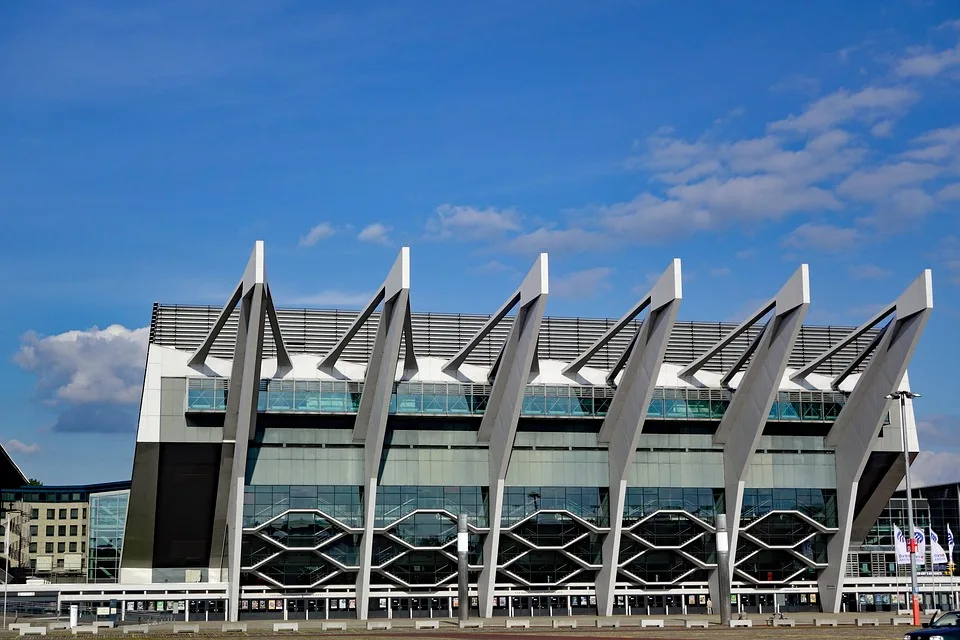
(521, 606)
(657, 604)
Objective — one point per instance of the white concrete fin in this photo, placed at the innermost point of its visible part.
(917, 297)
(534, 285)
(399, 276)
(537, 281)
(255, 273)
(668, 288)
(397, 280)
(795, 292)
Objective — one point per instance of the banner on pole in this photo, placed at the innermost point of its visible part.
(937, 555)
(921, 541)
(900, 544)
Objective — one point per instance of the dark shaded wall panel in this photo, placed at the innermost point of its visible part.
(186, 492)
(141, 511)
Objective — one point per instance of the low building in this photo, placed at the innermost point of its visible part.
(50, 529)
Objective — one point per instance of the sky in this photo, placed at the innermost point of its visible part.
(144, 147)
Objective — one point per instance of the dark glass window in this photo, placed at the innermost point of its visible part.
(422, 567)
(664, 566)
(548, 567)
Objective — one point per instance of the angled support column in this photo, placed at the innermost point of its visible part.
(855, 431)
(742, 424)
(239, 424)
(371, 424)
(499, 424)
(624, 422)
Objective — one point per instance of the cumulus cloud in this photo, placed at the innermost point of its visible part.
(494, 266)
(18, 446)
(950, 193)
(375, 233)
(882, 129)
(583, 284)
(929, 64)
(561, 240)
(86, 366)
(868, 104)
(821, 237)
(935, 467)
(938, 145)
(938, 428)
(316, 234)
(878, 183)
(472, 223)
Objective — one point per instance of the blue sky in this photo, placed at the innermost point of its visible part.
(146, 146)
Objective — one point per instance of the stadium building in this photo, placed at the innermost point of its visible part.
(316, 461)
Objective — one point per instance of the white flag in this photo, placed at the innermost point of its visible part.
(950, 542)
(937, 556)
(900, 544)
(921, 541)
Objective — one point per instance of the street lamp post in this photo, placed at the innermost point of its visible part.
(915, 589)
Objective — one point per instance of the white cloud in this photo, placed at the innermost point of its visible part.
(938, 145)
(494, 266)
(316, 234)
(581, 284)
(746, 254)
(720, 272)
(754, 197)
(650, 219)
(868, 104)
(878, 183)
(471, 223)
(561, 240)
(950, 193)
(869, 272)
(22, 447)
(376, 233)
(932, 468)
(331, 298)
(821, 237)
(929, 64)
(949, 24)
(87, 366)
(882, 129)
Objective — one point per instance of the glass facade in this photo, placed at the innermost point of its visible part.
(556, 401)
(263, 502)
(395, 502)
(777, 545)
(817, 504)
(108, 516)
(699, 502)
(589, 503)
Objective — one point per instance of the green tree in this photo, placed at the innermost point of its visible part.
(33, 482)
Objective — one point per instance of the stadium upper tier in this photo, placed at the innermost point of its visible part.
(310, 333)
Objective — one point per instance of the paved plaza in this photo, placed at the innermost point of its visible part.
(542, 627)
